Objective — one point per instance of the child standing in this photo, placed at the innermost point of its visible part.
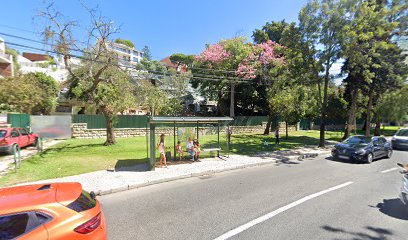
(197, 147)
(162, 151)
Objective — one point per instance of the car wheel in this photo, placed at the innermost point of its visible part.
(389, 153)
(369, 158)
(35, 142)
(12, 149)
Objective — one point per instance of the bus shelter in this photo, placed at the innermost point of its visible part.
(172, 128)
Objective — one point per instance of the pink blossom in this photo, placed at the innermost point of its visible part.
(267, 54)
(214, 54)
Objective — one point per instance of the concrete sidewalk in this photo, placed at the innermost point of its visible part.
(7, 161)
(106, 182)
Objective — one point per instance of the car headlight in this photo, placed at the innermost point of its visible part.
(361, 152)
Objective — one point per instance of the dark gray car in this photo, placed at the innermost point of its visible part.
(362, 149)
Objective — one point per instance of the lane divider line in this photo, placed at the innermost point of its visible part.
(267, 216)
(389, 170)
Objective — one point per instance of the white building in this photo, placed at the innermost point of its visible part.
(128, 56)
(45, 64)
(6, 61)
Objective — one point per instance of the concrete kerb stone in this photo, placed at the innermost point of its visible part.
(203, 173)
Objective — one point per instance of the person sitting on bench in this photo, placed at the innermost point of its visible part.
(179, 150)
(191, 149)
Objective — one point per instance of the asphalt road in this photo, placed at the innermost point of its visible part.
(287, 199)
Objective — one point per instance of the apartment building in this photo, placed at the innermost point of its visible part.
(128, 56)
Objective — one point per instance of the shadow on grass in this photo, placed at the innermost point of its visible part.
(68, 146)
(393, 208)
(252, 144)
(132, 165)
(375, 233)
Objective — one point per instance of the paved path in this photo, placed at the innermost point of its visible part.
(106, 182)
(310, 199)
(6, 160)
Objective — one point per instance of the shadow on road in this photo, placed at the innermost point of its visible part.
(393, 208)
(373, 233)
(341, 161)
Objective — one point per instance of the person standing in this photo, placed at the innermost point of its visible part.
(277, 141)
(162, 151)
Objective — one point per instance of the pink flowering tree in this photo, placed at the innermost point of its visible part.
(234, 61)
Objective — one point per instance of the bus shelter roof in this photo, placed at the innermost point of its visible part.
(154, 120)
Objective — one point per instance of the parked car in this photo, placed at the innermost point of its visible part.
(50, 211)
(10, 137)
(362, 149)
(400, 140)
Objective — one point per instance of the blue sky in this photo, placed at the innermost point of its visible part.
(167, 27)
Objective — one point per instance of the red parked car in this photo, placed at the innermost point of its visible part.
(9, 137)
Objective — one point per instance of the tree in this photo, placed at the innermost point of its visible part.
(162, 91)
(16, 64)
(98, 81)
(33, 93)
(393, 106)
(146, 53)
(232, 62)
(182, 59)
(300, 68)
(114, 94)
(49, 91)
(19, 94)
(125, 42)
(321, 23)
(374, 63)
(289, 105)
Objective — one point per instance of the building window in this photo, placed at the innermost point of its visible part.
(135, 59)
(141, 54)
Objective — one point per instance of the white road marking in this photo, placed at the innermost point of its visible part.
(265, 217)
(389, 170)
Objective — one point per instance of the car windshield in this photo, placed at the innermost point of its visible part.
(3, 133)
(357, 140)
(402, 132)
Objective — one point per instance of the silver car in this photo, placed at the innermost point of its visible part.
(400, 140)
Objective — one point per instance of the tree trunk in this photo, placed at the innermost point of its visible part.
(369, 109)
(268, 125)
(377, 125)
(232, 103)
(355, 123)
(323, 111)
(383, 128)
(351, 114)
(286, 126)
(110, 134)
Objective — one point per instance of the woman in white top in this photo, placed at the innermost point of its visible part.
(162, 151)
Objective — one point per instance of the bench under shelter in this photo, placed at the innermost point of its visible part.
(213, 124)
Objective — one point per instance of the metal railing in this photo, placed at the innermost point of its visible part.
(17, 153)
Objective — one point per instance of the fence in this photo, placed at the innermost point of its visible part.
(19, 120)
(121, 121)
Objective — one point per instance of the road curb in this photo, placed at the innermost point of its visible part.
(203, 173)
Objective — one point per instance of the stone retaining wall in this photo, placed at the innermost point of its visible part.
(80, 130)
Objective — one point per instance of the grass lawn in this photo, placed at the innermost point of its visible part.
(77, 156)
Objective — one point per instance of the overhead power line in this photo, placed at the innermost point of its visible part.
(82, 51)
(203, 77)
